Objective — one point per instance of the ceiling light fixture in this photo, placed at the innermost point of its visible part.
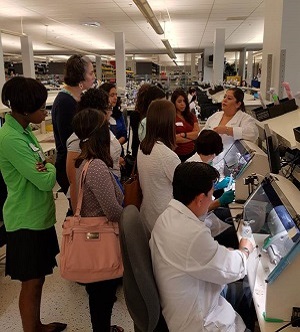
(169, 48)
(147, 11)
(72, 48)
(92, 24)
(12, 33)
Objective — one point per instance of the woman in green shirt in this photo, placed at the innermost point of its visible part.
(29, 210)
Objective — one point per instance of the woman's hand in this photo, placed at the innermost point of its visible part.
(223, 130)
(40, 167)
(122, 161)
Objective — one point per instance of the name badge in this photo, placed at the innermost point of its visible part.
(179, 124)
(38, 151)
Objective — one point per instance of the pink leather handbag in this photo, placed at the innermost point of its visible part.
(90, 248)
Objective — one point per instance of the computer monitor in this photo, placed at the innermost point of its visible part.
(273, 214)
(236, 159)
(242, 160)
(274, 268)
(272, 150)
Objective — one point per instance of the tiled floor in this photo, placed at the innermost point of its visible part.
(62, 301)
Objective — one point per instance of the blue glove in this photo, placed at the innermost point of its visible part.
(222, 184)
(227, 198)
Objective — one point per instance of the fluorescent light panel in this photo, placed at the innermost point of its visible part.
(12, 33)
(72, 48)
(169, 48)
(147, 11)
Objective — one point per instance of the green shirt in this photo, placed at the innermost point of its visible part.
(30, 203)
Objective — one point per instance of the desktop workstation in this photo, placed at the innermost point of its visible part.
(273, 209)
(273, 267)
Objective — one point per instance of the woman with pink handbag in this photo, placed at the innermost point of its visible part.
(102, 197)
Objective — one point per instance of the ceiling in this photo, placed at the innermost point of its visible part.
(189, 26)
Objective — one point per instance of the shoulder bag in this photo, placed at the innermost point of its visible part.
(90, 248)
(132, 190)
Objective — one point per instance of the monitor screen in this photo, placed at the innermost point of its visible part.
(272, 150)
(237, 159)
(272, 215)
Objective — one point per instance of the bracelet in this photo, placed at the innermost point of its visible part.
(246, 250)
(184, 135)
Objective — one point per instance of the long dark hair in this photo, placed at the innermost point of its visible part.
(140, 98)
(187, 114)
(239, 96)
(161, 117)
(152, 93)
(116, 111)
(92, 129)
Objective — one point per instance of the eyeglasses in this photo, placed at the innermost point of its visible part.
(43, 108)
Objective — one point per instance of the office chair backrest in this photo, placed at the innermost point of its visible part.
(139, 286)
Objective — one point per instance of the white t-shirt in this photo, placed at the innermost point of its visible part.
(115, 150)
(156, 176)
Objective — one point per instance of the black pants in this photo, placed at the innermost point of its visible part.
(101, 301)
(61, 176)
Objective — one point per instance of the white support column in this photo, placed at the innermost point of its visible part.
(27, 56)
(120, 63)
(207, 67)
(2, 70)
(193, 67)
(99, 68)
(249, 67)
(219, 49)
(281, 32)
(242, 63)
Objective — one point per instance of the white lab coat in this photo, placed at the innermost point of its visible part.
(191, 270)
(244, 127)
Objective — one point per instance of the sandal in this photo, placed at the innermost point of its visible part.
(116, 328)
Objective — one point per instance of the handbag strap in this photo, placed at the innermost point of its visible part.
(80, 187)
(128, 139)
(134, 168)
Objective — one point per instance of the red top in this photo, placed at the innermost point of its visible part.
(183, 126)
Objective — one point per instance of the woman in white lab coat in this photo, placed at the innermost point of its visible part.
(232, 123)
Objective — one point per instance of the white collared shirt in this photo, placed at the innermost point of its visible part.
(191, 269)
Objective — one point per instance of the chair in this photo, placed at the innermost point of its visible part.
(139, 286)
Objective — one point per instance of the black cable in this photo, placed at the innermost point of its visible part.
(288, 324)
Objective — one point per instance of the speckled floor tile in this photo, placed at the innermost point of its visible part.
(62, 301)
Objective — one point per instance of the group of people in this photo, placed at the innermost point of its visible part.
(165, 134)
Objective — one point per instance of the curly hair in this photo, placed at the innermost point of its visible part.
(94, 98)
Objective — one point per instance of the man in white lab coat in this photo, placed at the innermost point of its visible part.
(190, 267)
